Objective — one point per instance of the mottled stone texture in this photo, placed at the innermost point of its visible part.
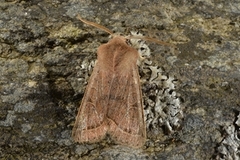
(191, 92)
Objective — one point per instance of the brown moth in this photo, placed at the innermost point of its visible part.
(112, 103)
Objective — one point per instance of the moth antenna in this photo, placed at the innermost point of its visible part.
(95, 25)
(151, 39)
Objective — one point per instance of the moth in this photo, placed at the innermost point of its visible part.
(112, 102)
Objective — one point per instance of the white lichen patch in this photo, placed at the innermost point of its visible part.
(26, 127)
(9, 119)
(230, 146)
(238, 121)
(24, 106)
(164, 107)
(162, 103)
(21, 107)
(82, 76)
(64, 140)
(140, 45)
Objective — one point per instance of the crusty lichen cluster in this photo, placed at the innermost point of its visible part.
(162, 105)
(230, 146)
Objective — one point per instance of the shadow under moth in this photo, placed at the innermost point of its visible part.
(112, 103)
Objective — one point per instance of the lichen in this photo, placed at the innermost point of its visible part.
(230, 145)
(162, 103)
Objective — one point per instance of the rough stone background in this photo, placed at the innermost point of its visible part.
(43, 46)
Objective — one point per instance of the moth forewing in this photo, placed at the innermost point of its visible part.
(131, 126)
(90, 125)
(125, 115)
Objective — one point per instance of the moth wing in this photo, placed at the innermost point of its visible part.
(91, 125)
(125, 111)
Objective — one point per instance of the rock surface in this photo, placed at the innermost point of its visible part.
(191, 91)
